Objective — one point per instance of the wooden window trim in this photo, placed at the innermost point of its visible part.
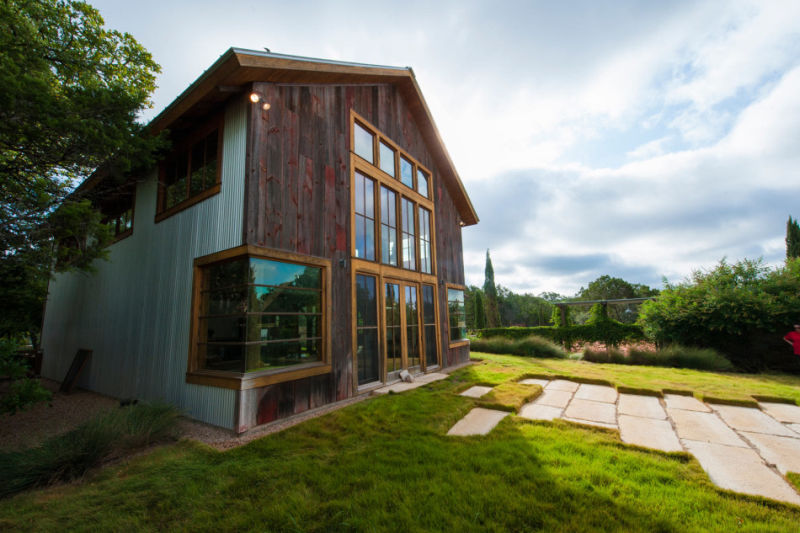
(379, 136)
(461, 342)
(218, 123)
(244, 381)
(357, 164)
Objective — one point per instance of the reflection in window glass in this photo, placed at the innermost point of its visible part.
(367, 351)
(363, 142)
(409, 235)
(429, 325)
(365, 217)
(259, 314)
(406, 172)
(394, 349)
(387, 159)
(190, 171)
(388, 227)
(425, 240)
(412, 326)
(422, 183)
(456, 314)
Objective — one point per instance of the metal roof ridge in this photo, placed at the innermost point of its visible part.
(264, 53)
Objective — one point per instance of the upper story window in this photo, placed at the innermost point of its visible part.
(117, 209)
(392, 210)
(192, 172)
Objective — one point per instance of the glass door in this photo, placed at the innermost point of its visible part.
(367, 346)
(413, 345)
(393, 330)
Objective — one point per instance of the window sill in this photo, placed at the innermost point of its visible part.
(189, 202)
(125, 234)
(458, 344)
(229, 380)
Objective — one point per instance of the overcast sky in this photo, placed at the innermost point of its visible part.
(635, 139)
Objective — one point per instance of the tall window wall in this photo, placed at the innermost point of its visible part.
(392, 206)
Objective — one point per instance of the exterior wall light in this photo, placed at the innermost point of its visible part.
(255, 97)
(265, 106)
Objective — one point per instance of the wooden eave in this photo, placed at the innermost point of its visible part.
(237, 68)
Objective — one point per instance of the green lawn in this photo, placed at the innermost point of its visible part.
(386, 465)
(733, 387)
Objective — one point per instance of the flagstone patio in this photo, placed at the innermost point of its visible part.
(744, 449)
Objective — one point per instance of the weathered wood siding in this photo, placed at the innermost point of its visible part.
(297, 199)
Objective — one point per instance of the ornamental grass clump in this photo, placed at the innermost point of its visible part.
(69, 456)
(675, 356)
(531, 346)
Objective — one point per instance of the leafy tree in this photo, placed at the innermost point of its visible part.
(792, 239)
(610, 288)
(742, 310)
(70, 92)
(556, 319)
(522, 309)
(490, 294)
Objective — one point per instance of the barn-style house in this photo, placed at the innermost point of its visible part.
(300, 244)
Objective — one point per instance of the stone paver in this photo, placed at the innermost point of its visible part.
(783, 452)
(649, 432)
(590, 410)
(475, 392)
(419, 381)
(703, 427)
(782, 412)
(563, 385)
(533, 381)
(742, 470)
(795, 428)
(596, 393)
(643, 406)
(554, 398)
(589, 423)
(535, 411)
(479, 421)
(688, 403)
(752, 420)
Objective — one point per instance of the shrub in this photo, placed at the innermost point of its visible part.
(530, 346)
(741, 310)
(675, 356)
(21, 391)
(69, 456)
(609, 332)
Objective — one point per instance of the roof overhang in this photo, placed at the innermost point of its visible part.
(237, 68)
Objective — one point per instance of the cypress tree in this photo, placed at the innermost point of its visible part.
(479, 312)
(792, 239)
(490, 292)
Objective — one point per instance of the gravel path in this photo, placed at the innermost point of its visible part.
(29, 428)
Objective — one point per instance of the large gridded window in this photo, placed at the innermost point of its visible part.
(116, 208)
(258, 315)
(190, 171)
(456, 315)
(394, 188)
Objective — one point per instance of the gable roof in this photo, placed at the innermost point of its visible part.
(238, 67)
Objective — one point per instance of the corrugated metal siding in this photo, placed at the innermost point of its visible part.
(134, 311)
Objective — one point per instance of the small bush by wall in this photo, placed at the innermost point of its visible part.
(530, 346)
(675, 356)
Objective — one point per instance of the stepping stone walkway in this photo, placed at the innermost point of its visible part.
(743, 449)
